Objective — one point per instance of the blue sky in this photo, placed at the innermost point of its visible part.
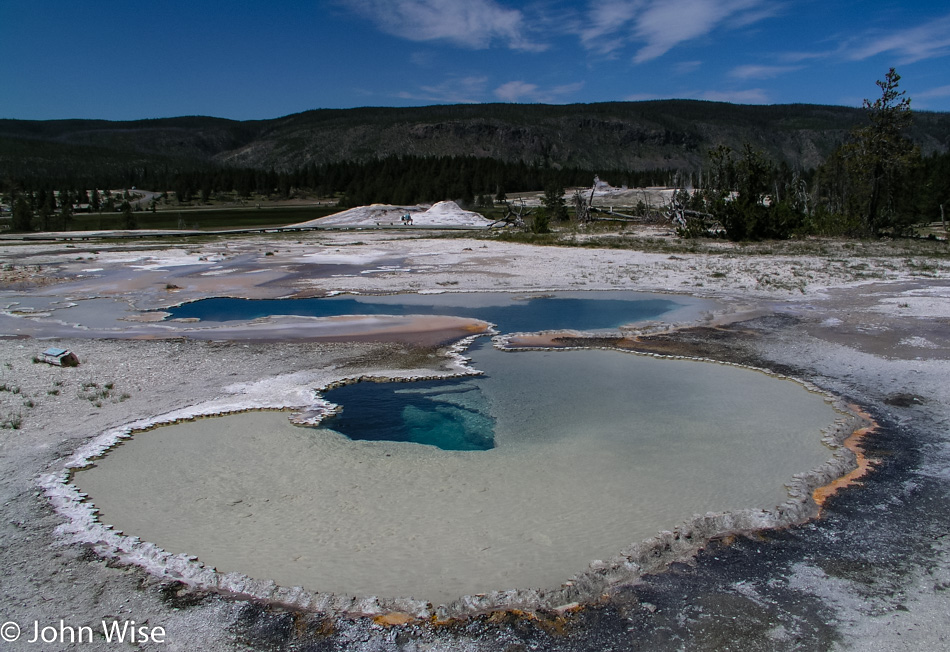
(129, 59)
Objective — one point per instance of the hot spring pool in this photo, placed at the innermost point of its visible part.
(513, 312)
(565, 457)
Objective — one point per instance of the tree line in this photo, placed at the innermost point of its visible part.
(877, 182)
(44, 203)
(393, 179)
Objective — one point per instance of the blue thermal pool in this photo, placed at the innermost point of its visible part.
(517, 478)
(512, 312)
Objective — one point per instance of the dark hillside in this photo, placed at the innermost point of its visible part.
(190, 137)
(641, 135)
(667, 134)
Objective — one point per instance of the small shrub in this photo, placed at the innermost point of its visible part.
(95, 394)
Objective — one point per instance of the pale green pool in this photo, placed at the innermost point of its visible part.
(593, 450)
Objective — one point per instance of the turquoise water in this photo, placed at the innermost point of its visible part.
(451, 415)
(511, 312)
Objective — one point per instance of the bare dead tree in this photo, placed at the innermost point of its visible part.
(676, 211)
(582, 207)
(688, 222)
(514, 216)
(614, 215)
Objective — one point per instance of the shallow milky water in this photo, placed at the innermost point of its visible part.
(593, 450)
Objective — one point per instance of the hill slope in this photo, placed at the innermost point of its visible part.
(631, 135)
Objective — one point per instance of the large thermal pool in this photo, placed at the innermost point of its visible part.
(515, 479)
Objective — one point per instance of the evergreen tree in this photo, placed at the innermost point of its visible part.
(756, 211)
(879, 159)
(933, 198)
(22, 220)
(65, 209)
(128, 217)
(540, 222)
(553, 202)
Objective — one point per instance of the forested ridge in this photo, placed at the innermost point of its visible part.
(670, 134)
(808, 168)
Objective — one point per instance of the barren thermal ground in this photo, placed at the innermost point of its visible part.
(858, 333)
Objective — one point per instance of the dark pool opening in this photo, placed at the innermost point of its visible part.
(450, 414)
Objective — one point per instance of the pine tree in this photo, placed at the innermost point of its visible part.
(65, 209)
(553, 202)
(22, 220)
(128, 217)
(879, 158)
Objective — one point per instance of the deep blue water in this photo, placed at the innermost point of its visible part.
(511, 313)
(451, 414)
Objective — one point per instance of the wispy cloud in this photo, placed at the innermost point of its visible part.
(657, 26)
(940, 91)
(514, 91)
(470, 23)
(927, 41)
(798, 57)
(643, 97)
(457, 90)
(686, 67)
(605, 20)
(761, 72)
(749, 96)
(423, 59)
(520, 91)
(930, 40)
(665, 24)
